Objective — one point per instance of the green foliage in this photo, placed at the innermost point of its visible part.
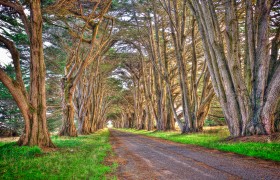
(117, 4)
(8, 19)
(10, 114)
(115, 83)
(77, 158)
(106, 67)
(214, 139)
(20, 38)
(114, 111)
(11, 117)
(47, 2)
(4, 92)
(55, 60)
(115, 86)
(214, 122)
(54, 121)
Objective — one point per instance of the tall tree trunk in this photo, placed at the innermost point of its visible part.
(84, 125)
(248, 110)
(68, 126)
(32, 106)
(36, 132)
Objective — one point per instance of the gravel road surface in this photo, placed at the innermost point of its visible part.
(141, 157)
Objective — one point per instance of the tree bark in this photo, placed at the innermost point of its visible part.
(247, 109)
(32, 106)
(68, 126)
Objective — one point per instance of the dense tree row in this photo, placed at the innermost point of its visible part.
(240, 41)
(142, 64)
(170, 83)
(241, 50)
(87, 34)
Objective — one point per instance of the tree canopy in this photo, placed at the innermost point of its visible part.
(144, 64)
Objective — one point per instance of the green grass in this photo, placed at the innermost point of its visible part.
(77, 158)
(214, 139)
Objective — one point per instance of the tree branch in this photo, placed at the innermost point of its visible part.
(19, 9)
(16, 60)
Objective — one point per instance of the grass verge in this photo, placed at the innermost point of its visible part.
(77, 158)
(215, 139)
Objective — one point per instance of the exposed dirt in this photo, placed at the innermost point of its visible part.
(130, 164)
(109, 161)
(8, 139)
(141, 157)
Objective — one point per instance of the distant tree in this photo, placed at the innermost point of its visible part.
(82, 21)
(170, 79)
(92, 95)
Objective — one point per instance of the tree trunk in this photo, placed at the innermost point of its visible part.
(84, 125)
(36, 132)
(32, 106)
(68, 126)
(248, 110)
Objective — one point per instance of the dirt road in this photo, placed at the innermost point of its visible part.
(144, 158)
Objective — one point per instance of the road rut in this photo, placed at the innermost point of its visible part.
(142, 157)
